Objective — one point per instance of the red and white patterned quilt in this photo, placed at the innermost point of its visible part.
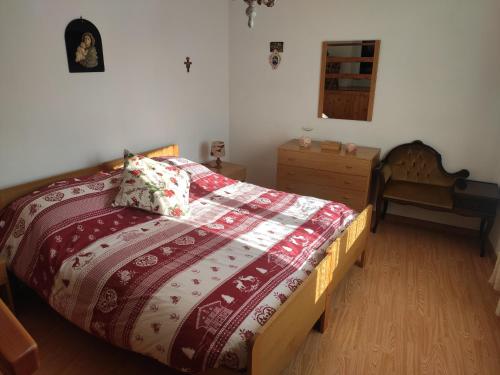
(190, 292)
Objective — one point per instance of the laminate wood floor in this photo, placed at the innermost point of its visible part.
(421, 305)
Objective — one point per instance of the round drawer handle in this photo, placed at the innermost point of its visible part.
(347, 183)
(348, 167)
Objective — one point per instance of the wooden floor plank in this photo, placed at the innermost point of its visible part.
(421, 305)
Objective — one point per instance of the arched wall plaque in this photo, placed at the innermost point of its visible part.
(83, 47)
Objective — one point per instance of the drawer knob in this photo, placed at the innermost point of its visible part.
(347, 183)
(348, 167)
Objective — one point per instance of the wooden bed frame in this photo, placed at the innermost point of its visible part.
(278, 340)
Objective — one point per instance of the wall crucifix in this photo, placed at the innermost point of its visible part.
(188, 64)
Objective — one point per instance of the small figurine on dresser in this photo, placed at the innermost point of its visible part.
(218, 150)
(351, 148)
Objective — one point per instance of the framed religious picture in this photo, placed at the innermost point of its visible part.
(278, 46)
(83, 47)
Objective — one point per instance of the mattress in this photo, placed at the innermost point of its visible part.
(190, 292)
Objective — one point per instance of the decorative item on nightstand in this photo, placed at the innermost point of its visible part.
(218, 150)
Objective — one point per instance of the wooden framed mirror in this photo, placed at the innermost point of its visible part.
(348, 79)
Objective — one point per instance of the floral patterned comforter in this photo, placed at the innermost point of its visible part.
(190, 292)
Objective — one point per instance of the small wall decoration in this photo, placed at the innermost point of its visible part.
(83, 47)
(188, 63)
(275, 57)
(276, 46)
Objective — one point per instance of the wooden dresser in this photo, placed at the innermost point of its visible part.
(336, 176)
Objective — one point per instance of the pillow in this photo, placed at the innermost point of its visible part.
(153, 186)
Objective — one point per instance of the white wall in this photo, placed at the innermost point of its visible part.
(53, 121)
(438, 79)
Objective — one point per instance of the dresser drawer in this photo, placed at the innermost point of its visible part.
(325, 161)
(321, 177)
(352, 198)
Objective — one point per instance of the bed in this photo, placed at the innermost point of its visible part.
(236, 285)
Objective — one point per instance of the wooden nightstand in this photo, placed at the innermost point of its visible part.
(477, 199)
(230, 170)
(4, 284)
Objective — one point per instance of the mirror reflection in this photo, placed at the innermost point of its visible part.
(348, 79)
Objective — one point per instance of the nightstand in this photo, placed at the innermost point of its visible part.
(230, 170)
(477, 199)
(4, 284)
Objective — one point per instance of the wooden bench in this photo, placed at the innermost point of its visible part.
(413, 173)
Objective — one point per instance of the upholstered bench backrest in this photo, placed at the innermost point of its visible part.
(419, 163)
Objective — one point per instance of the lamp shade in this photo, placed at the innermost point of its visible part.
(218, 149)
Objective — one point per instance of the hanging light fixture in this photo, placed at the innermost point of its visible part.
(251, 12)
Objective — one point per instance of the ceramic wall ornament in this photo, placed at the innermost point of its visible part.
(275, 57)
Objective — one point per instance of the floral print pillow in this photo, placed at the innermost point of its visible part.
(153, 186)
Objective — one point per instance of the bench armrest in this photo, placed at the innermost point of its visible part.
(381, 175)
(386, 172)
(18, 350)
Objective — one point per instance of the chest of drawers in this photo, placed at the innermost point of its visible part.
(336, 176)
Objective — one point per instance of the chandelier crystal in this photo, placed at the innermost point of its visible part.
(251, 12)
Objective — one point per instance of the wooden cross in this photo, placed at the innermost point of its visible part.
(188, 64)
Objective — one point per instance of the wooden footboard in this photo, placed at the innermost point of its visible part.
(279, 339)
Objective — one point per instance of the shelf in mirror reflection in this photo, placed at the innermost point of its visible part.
(348, 77)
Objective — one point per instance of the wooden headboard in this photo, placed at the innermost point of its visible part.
(11, 193)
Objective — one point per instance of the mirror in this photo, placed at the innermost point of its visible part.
(348, 78)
